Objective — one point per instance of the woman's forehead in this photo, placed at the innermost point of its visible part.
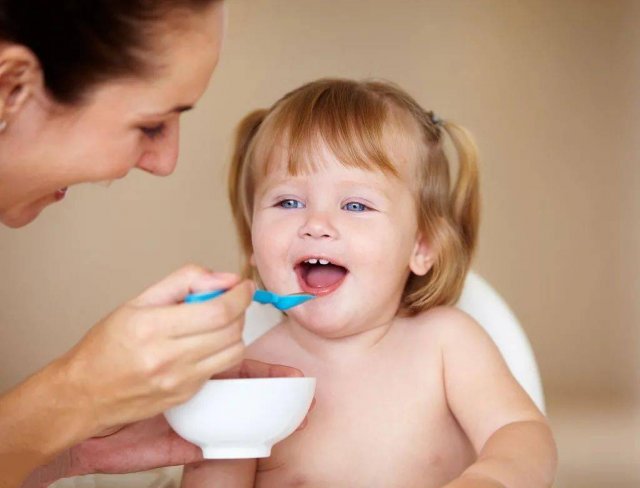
(182, 66)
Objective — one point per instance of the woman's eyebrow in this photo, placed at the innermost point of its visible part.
(175, 110)
(181, 108)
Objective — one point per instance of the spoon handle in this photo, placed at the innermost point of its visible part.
(202, 297)
(281, 302)
(260, 296)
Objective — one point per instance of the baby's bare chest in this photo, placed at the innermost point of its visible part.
(390, 427)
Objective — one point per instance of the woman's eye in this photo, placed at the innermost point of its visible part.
(154, 131)
(355, 207)
(291, 203)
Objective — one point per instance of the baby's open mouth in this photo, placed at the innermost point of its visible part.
(319, 276)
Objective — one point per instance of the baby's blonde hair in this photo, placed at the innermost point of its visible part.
(350, 118)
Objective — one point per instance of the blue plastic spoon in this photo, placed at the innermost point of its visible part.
(281, 302)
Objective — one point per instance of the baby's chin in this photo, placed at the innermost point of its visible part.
(324, 321)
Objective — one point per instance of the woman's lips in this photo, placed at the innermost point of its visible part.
(60, 193)
(317, 291)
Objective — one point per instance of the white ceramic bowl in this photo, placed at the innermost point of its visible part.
(242, 418)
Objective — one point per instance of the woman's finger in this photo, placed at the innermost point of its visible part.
(188, 279)
(251, 368)
(281, 371)
(198, 318)
(195, 348)
(220, 361)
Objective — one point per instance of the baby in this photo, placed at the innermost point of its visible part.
(342, 189)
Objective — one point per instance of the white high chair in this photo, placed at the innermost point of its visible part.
(478, 299)
(484, 304)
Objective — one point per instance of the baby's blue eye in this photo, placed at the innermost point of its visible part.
(291, 203)
(355, 207)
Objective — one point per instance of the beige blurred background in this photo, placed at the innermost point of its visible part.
(551, 90)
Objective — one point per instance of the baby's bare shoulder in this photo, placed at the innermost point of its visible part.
(266, 347)
(446, 326)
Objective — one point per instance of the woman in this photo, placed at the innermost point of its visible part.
(89, 91)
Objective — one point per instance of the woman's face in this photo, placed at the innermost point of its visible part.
(125, 124)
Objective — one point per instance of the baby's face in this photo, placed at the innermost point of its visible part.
(363, 223)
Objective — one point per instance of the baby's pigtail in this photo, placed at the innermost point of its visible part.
(465, 198)
(240, 183)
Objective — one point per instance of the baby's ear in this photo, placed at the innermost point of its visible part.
(422, 257)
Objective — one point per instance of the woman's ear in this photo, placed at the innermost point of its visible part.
(20, 77)
(422, 257)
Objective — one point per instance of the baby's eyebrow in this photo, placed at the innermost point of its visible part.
(358, 185)
(262, 189)
(343, 185)
(352, 183)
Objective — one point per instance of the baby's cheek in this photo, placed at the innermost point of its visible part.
(274, 278)
(372, 248)
(270, 261)
(260, 238)
(269, 243)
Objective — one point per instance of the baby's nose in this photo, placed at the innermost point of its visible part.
(318, 226)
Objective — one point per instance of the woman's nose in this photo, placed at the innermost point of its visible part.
(318, 225)
(161, 156)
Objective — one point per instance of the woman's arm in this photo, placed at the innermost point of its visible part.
(514, 443)
(220, 473)
(39, 418)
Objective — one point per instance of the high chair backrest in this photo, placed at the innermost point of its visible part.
(480, 301)
(484, 304)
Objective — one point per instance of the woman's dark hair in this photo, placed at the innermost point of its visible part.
(80, 43)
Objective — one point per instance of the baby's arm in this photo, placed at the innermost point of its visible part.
(220, 473)
(511, 436)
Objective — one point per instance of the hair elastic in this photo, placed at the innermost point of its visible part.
(435, 119)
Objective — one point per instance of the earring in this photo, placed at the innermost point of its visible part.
(3, 125)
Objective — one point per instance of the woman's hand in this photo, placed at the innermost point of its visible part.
(148, 355)
(140, 446)
(152, 443)
(250, 368)
(143, 445)
(155, 351)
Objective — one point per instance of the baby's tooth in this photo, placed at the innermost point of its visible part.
(312, 261)
(323, 261)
